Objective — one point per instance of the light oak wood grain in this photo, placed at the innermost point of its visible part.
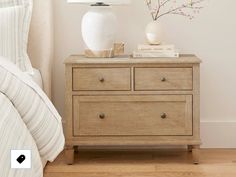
(115, 142)
(163, 79)
(184, 59)
(69, 150)
(196, 101)
(68, 103)
(155, 163)
(132, 117)
(196, 154)
(101, 79)
(69, 154)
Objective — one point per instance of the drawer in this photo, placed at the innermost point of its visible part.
(163, 79)
(163, 115)
(101, 79)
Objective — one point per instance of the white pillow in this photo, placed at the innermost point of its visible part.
(14, 32)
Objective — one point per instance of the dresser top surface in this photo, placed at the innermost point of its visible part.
(183, 59)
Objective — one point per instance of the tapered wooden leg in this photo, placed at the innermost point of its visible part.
(196, 154)
(69, 155)
(190, 148)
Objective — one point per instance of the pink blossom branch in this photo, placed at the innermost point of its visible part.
(149, 4)
(165, 2)
(184, 6)
(183, 14)
(158, 9)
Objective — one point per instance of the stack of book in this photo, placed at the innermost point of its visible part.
(156, 51)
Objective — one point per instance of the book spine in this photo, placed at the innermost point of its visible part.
(156, 47)
(155, 55)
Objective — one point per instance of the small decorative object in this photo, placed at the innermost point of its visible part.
(119, 49)
(186, 8)
(99, 26)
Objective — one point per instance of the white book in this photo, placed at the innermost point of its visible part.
(141, 54)
(146, 47)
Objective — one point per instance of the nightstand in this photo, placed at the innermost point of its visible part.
(126, 102)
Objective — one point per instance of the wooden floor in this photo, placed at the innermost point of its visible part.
(164, 163)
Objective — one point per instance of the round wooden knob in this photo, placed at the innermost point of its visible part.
(102, 80)
(102, 116)
(163, 79)
(163, 115)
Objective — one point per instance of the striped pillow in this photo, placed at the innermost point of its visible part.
(14, 31)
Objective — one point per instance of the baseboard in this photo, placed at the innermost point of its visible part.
(217, 134)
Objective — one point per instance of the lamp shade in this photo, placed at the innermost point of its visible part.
(111, 2)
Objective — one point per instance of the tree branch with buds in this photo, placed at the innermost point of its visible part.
(158, 12)
(149, 4)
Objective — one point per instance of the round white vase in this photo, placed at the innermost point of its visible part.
(154, 33)
(99, 28)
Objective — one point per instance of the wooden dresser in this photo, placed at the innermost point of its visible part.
(126, 102)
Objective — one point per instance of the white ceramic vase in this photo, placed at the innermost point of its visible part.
(154, 33)
(99, 28)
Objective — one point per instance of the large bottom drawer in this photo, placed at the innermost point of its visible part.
(155, 115)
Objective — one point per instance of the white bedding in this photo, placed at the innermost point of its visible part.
(15, 18)
(37, 77)
(28, 120)
(14, 135)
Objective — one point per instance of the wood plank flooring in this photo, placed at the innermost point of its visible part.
(161, 163)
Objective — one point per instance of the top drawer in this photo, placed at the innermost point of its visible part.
(101, 79)
(163, 79)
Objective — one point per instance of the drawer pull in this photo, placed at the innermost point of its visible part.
(102, 80)
(102, 116)
(163, 79)
(163, 115)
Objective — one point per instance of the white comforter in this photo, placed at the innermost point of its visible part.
(28, 120)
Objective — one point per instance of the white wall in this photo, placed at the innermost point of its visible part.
(211, 36)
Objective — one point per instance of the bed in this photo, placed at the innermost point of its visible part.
(28, 119)
(40, 46)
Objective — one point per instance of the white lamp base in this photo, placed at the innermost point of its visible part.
(99, 26)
